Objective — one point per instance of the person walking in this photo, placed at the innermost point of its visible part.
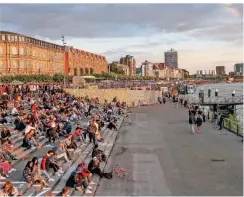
(221, 120)
(215, 120)
(192, 121)
(199, 122)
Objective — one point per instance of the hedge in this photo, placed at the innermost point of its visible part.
(34, 78)
(61, 78)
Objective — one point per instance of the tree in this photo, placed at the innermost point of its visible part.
(81, 71)
(75, 71)
(116, 69)
(87, 71)
(91, 71)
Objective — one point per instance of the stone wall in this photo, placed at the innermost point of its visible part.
(129, 96)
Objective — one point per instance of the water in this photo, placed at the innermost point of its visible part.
(224, 90)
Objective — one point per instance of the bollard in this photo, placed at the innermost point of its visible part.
(209, 92)
(233, 93)
(216, 93)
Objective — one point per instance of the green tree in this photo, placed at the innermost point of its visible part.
(75, 71)
(87, 71)
(91, 71)
(81, 71)
(116, 69)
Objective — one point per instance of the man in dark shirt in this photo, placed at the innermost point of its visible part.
(98, 153)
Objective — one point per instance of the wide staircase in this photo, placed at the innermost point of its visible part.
(82, 155)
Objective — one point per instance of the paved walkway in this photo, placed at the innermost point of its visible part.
(156, 145)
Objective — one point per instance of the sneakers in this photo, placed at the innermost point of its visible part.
(88, 191)
(89, 187)
(12, 170)
(2, 178)
(58, 173)
(51, 180)
(92, 183)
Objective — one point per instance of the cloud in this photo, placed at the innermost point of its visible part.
(234, 9)
(106, 20)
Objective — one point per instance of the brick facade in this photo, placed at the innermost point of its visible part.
(20, 54)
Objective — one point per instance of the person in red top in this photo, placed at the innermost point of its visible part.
(78, 134)
(33, 107)
(82, 168)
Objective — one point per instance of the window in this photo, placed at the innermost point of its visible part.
(16, 38)
(14, 51)
(12, 38)
(1, 64)
(14, 64)
(21, 64)
(9, 38)
(23, 39)
(21, 51)
(3, 37)
(28, 51)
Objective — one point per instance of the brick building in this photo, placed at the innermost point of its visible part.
(130, 62)
(21, 54)
(80, 62)
(220, 70)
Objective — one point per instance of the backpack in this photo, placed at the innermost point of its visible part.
(108, 175)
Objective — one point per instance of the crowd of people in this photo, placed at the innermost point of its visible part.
(54, 115)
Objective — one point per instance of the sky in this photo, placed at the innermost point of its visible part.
(205, 35)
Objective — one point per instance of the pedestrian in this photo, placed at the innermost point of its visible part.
(221, 120)
(215, 120)
(192, 121)
(199, 122)
(164, 100)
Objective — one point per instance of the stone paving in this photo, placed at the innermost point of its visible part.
(156, 147)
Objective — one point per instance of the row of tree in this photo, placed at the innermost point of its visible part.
(62, 78)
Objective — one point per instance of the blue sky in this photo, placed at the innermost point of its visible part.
(205, 35)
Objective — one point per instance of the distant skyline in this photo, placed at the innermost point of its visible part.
(204, 35)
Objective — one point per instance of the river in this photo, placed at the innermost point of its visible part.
(224, 90)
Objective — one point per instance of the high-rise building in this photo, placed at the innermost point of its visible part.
(238, 68)
(20, 54)
(171, 58)
(131, 62)
(220, 70)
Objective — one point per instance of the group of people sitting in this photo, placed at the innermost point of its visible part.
(52, 116)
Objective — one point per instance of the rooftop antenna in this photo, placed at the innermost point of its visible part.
(63, 40)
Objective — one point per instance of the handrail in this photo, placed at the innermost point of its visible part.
(231, 125)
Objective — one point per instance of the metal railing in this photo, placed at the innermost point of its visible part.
(233, 126)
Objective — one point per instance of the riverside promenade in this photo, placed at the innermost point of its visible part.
(163, 158)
